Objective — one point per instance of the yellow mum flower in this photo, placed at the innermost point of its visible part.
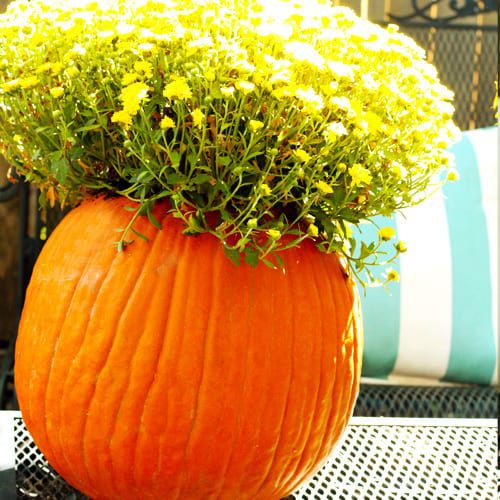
(304, 52)
(210, 75)
(252, 223)
(255, 125)
(397, 169)
(324, 187)
(392, 275)
(334, 131)
(359, 175)
(244, 86)
(145, 68)
(274, 234)
(313, 230)
(265, 190)
(122, 117)
(56, 68)
(386, 233)
(132, 96)
(147, 47)
(373, 122)
(56, 92)
(401, 246)
(167, 122)
(198, 117)
(178, 88)
(129, 78)
(12, 85)
(227, 91)
(302, 155)
(72, 71)
(312, 101)
(43, 68)
(29, 82)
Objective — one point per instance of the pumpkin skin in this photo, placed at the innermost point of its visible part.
(167, 372)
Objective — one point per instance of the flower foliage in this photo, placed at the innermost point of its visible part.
(263, 122)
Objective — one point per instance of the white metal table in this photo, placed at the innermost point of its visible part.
(377, 459)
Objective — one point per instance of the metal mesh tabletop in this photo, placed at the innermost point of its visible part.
(378, 400)
(377, 459)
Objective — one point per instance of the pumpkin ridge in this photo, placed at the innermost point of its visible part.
(85, 267)
(357, 346)
(173, 351)
(70, 302)
(307, 411)
(331, 419)
(30, 297)
(149, 254)
(214, 276)
(289, 390)
(230, 345)
(32, 349)
(242, 406)
(36, 352)
(257, 410)
(87, 263)
(313, 420)
(339, 386)
(264, 371)
(176, 247)
(337, 267)
(108, 350)
(290, 485)
(171, 348)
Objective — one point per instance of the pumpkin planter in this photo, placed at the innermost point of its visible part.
(256, 132)
(166, 371)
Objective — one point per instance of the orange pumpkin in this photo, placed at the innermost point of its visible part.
(167, 372)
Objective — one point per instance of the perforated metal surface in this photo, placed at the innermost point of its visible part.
(378, 459)
(377, 400)
(35, 478)
(420, 462)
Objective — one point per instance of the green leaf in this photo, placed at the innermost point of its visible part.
(268, 263)
(144, 176)
(176, 158)
(279, 260)
(224, 160)
(201, 178)
(137, 233)
(154, 220)
(233, 255)
(251, 256)
(60, 167)
(176, 178)
(225, 215)
(88, 128)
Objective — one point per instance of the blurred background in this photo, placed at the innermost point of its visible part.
(460, 38)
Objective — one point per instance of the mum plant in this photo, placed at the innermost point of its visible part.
(259, 130)
(263, 124)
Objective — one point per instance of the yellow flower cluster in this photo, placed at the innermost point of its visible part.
(333, 117)
(131, 96)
